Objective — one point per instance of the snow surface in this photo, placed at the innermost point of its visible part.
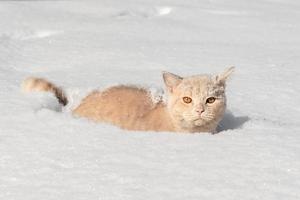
(47, 154)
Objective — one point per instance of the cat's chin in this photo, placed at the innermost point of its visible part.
(200, 122)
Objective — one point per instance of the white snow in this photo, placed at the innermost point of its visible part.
(48, 154)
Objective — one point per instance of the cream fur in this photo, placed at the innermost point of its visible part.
(42, 85)
(132, 108)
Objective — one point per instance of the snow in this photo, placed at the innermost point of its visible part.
(46, 153)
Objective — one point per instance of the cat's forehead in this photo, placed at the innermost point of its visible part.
(198, 81)
(202, 85)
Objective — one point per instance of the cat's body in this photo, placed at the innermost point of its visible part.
(194, 104)
(126, 106)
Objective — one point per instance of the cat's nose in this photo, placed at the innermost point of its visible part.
(200, 110)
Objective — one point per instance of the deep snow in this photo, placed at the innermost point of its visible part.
(82, 45)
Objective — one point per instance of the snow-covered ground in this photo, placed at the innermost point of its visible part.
(82, 45)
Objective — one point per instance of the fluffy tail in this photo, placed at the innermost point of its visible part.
(38, 84)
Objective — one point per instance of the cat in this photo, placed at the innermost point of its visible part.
(194, 104)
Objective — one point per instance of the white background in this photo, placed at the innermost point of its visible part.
(84, 45)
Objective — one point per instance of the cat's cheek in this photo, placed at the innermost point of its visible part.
(219, 108)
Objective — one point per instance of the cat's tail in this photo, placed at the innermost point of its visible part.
(33, 84)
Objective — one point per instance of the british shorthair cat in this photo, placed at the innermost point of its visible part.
(194, 104)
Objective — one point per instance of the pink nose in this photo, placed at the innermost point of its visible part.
(200, 110)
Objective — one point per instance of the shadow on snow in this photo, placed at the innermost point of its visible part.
(230, 122)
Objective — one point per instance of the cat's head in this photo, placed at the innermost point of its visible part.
(196, 102)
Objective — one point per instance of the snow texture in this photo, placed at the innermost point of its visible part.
(46, 153)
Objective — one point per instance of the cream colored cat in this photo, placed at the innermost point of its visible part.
(194, 104)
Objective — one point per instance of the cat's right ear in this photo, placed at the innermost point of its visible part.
(221, 78)
(171, 80)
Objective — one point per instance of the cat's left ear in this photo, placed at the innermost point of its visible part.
(171, 80)
(221, 78)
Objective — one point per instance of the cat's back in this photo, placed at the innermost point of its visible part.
(116, 104)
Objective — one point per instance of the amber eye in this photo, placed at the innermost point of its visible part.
(187, 100)
(210, 100)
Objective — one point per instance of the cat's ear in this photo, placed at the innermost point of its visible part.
(221, 78)
(171, 80)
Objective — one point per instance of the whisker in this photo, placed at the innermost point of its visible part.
(220, 125)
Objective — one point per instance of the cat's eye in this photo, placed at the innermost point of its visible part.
(187, 100)
(210, 100)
